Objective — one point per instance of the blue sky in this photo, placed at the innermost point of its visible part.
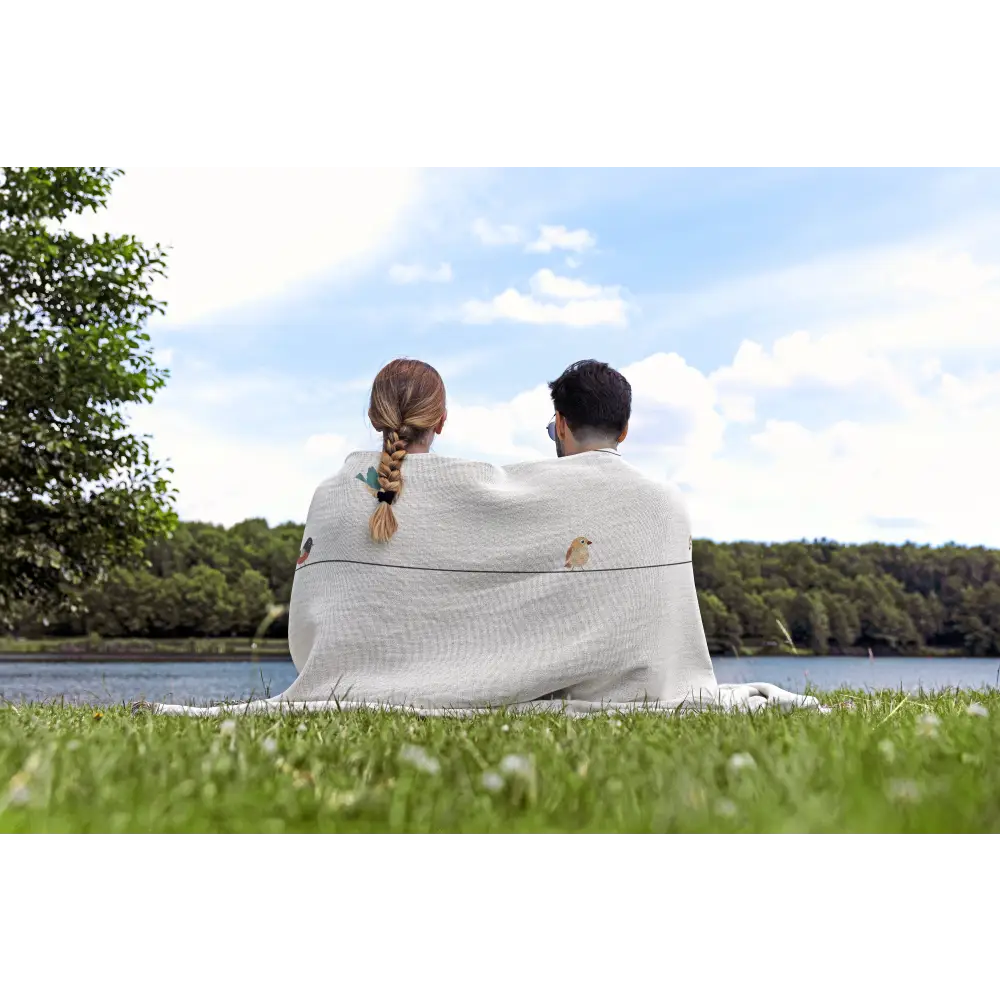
(813, 353)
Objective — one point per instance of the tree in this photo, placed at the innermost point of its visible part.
(78, 493)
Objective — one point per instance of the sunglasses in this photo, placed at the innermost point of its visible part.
(551, 428)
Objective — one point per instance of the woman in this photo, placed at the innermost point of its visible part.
(408, 406)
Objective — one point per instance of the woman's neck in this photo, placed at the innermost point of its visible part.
(421, 447)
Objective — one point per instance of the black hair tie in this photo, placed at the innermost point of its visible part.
(386, 496)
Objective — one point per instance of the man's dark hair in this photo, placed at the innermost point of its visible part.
(592, 396)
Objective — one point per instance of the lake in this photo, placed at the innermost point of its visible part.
(200, 683)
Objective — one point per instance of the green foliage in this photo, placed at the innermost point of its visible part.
(905, 599)
(876, 763)
(210, 581)
(78, 493)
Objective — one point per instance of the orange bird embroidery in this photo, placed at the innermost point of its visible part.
(577, 554)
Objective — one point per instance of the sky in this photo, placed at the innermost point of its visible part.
(813, 353)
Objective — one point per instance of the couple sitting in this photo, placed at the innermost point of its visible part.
(440, 583)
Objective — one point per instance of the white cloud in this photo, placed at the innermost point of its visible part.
(915, 465)
(493, 235)
(560, 238)
(554, 286)
(549, 238)
(510, 431)
(577, 304)
(245, 235)
(409, 274)
(572, 262)
(832, 360)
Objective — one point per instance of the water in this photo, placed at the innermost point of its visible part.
(200, 683)
(169, 683)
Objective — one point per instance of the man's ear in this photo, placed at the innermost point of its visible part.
(440, 424)
(562, 429)
(623, 435)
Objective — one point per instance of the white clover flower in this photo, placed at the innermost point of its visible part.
(976, 709)
(904, 790)
(269, 744)
(228, 727)
(505, 728)
(303, 728)
(887, 749)
(491, 781)
(518, 764)
(927, 725)
(741, 762)
(20, 793)
(419, 758)
(725, 808)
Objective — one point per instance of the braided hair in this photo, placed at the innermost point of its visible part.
(407, 401)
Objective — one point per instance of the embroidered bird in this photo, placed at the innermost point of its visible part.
(306, 549)
(370, 480)
(577, 554)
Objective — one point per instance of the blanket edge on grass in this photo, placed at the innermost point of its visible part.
(727, 698)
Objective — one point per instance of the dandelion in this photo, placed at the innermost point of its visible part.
(518, 764)
(491, 781)
(228, 727)
(741, 762)
(888, 750)
(927, 725)
(976, 709)
(419, 758)
(98, 715)
(725, 808)
(269, 744)
(904, 790)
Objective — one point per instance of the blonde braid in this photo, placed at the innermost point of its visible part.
(382, 524)
(407, 403)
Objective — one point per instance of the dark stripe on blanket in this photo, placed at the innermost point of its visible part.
(497, 572)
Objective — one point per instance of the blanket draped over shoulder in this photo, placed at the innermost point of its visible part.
(559, 584)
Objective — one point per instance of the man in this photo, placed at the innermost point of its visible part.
(593, 404)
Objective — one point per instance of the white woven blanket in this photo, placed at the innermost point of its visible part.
(563, 584)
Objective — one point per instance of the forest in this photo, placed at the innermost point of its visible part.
(832, 598)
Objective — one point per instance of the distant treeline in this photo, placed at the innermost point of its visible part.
(212, 581)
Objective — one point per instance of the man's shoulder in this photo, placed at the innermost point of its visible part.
(598, 470)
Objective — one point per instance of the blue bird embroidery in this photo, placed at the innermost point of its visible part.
(371, 480)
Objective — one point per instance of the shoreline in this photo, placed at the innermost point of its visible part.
(144, 657)
(283, 656)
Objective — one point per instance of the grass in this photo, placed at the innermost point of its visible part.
(94, 647)
(878, 763)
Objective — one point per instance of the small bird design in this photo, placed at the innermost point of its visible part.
(577, 554)
(370, 480)
(306, 549)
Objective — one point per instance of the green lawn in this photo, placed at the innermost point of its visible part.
(877, 763)
(139, 649)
